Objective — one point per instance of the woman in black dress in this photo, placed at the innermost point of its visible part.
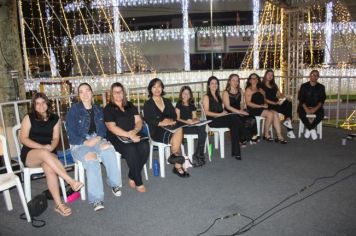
(233, 103)
(214, 110)
(158, 113)
(122, 119)
(39, 135)
(256, 106)
(277, 101)
(187, 113)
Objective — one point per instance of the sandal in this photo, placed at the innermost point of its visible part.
(281, 141)
(77, 186)
(63, 209)
(268, 139)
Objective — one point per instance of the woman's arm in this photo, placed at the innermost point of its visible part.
(248, 97)
(25, 132)
(55, 136)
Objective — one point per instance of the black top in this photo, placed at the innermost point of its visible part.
(214, 106)
(271, 93)
(123, 119)
(311, 95)
(40, 132)
(153, 115)
(92, 127)
(258, 98)
(186, 112)
(235, 101)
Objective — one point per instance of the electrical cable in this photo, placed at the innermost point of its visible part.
(253, 221)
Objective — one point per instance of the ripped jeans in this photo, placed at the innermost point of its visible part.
(93, 168)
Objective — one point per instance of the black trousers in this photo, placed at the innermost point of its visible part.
(303, 116)
(136, 155)
(233, 122)
(285, 108)
(249, 127)
(200, 131)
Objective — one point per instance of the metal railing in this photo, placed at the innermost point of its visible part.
(340, 103)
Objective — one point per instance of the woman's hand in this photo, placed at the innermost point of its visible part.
(133, 136)
(264, 106)
(223, 113)
(244, 113)
(47, 147)
(167, 122)
(92, 142)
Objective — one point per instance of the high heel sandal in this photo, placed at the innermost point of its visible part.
(280, 140)
(182, 175)
(255, 140)
(268, 139)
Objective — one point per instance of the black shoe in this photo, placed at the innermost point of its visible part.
(268, 139)
(182, 175)
(173, 159)
(281, 141)
(238, 158)
(197, 162)
(255, 140)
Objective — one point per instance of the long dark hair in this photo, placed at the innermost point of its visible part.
(118, 85)
(217, 92)
(33, 111)
(228, 86)
(191, 100)
(152, 83)
(272, 83)
(248, 83)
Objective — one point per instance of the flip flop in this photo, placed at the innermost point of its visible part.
(63, 209)
(141, 189)
(77, 186)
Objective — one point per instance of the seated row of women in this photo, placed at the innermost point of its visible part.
(93, 132)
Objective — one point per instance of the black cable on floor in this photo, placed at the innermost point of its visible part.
(252, 224)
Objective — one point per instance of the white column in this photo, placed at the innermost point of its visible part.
(328, 33)
(186, 47)
(115, 12)
(256, 11)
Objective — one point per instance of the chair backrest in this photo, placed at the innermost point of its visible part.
(15, 134)
(5, 154)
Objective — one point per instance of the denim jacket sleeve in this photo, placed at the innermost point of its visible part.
(99, 121)
(75, 136)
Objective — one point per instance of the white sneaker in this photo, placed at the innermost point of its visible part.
(306, 134)
(290, 134)
(98, 206)
(116, 191)
(288, 124)
(313, 134)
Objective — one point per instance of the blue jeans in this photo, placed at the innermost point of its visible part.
(93, 168)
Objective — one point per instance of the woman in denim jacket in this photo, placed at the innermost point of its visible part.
(86, 131)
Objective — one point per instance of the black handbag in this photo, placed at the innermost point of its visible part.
(36, 206)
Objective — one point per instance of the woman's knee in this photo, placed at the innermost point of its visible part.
(91, 156)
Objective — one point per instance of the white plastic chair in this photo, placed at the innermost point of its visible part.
(319, 128)
(9, 180)
(260, 121)
(164, 151)
(27, 171)
(219, 135)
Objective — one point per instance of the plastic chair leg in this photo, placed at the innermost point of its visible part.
(23, 200)
(7, 199)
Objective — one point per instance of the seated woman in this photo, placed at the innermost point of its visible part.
(256, 106)
(86, 131)
(39, 135)
(122, 119)
(214, 110)
(187, 113)
(233, 103)
(273, 96)
(159, 112)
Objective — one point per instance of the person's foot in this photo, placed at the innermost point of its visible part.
(307, 133)
(98, 205)
(268, 138)
(76, 186)
(180, 172)
(238, 157)
(141, 189)
(116, 191)
(63, 209)
(313, 134)
(291, 134)
(243, 144)
(173, 159)
(132, 183)
(288, 124)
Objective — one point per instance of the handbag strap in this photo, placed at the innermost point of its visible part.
(35, 222)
